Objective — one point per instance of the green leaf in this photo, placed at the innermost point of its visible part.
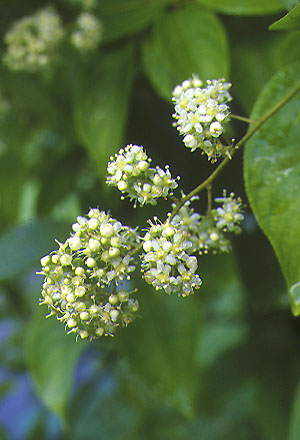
(155, 68)
(185, 41)
(22, 247)
(217, 338)
(243, 7)
(294, 424)
(10, 189)
(223, 327)
(295, 296)
(160, 346)
(100, 105)
(289, 4)
(288, 49)
(121, 18)
(52, 356)
(291, 21)
(104, 412)
(272, 172)
(228, 421)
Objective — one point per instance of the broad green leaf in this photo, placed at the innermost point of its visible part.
(155, 68)
(121, 18)
(217, 338)
(243, 7)
(289, 4)
(291, 21)
(270, 415)
(52, 357)
(22, 247)
(272, 172)
(100, 105)
(104, 412)
(10, 189)
(294, 423)
(223, 326)
(185, 41)
(288, 48)
(160, 346)
(230, 419)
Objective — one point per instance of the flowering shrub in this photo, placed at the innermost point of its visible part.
(83, 278)
(162, 295)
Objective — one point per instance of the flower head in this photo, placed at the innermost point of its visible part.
(229, 216)
(87, 33)
(84, 276)
(131, 173)
(201, 114)
(167, 263)
(209, 233)
(32, 41)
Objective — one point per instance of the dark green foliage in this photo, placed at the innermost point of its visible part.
(272, 170)
(222, 364)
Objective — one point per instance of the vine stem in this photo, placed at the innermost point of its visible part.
(242, 118)
(255, 126)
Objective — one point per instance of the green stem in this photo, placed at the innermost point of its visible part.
(208, 182)
(209, 199)
(256, 125)
(242, 118)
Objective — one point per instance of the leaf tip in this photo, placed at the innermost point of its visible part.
(294, 293)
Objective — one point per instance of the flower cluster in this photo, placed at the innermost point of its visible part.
(83, 277)
(201, 114)
(87, 33)
(229, 216)
(188, 221)
(209, 233)
(167, 263)
(32, 42)
(130, 172)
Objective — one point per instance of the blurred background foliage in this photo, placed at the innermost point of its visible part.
(223, 364)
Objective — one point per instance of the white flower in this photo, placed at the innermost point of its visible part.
(167, 264)
(201, 114)
(32, 42)
(130, 172)
(81, 275)
(209, 233)
(229, 215)
(87, 33)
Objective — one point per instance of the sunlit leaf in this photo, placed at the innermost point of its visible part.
(291, 21)
(272, 172)
(288, 48)
(243, 7)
